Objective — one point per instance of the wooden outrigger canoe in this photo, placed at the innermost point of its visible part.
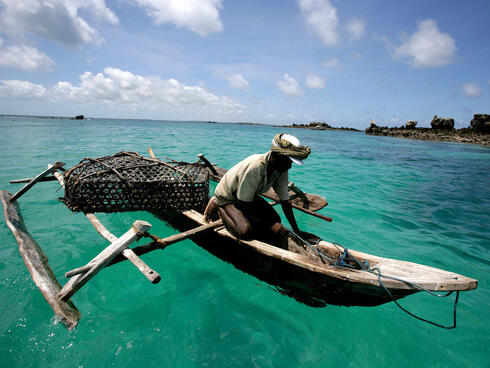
(303, 275)
(300, 271)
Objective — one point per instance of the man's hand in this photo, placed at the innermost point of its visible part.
(211, 211)
(279, 229)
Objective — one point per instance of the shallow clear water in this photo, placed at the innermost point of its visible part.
(425, 202)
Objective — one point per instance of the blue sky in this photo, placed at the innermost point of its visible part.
(277, 61)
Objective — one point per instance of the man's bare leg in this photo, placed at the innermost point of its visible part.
(235, 221)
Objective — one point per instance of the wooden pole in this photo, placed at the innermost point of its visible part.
(29, 185)
(207, 163)
(28, 180)
(103, 258)
(329, 219)
(150, 151)
(37, 263)
(186, 234)
(149, 273)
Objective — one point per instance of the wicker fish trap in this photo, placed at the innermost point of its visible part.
(128, 181)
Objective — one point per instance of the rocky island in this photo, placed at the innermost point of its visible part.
(441, 130)
(316, 125)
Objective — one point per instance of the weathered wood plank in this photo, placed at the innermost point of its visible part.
(29, 185)
(149, 273)
(37, 264)
(103, 258)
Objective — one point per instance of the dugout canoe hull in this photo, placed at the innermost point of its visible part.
(310, 281)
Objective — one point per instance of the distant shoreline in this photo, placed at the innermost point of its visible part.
(53, 117)
(321, 128)
(464, 135)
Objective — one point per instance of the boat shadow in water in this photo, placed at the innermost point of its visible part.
(306, 286)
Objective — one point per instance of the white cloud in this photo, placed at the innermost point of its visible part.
(315, 81)
(471, 90)
(356, 28)
(56, 20)
(289, 86)
(321, 17)
(119, 88)
(330, 63)
(427, 47)
(99, 9)
(24, 57)
(199, 16)
(237, 81)
(21, 89)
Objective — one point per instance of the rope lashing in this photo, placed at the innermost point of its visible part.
(146, 234)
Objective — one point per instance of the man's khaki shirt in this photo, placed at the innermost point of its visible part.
(248, 178)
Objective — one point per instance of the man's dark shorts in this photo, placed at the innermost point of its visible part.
(268, 215)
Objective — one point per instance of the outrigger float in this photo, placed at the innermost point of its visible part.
(176, 192)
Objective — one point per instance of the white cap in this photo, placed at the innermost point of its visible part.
(295, 142)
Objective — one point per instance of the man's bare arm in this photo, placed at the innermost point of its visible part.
(288, 212)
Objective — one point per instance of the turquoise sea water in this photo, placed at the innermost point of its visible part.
(424, 202)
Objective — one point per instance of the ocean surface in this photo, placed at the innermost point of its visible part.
(419, 201)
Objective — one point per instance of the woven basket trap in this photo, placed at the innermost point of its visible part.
(128, 181)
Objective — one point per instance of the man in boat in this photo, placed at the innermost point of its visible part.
(237, 197)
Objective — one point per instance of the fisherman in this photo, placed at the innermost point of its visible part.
(237, 196)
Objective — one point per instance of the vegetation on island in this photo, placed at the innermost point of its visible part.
(320, 126)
